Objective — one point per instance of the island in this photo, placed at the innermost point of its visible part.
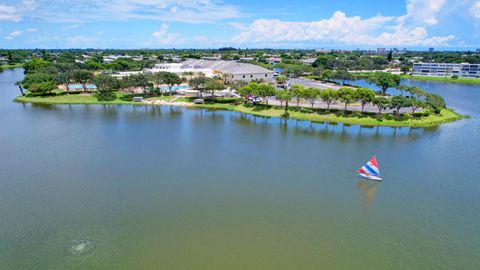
(244, 87)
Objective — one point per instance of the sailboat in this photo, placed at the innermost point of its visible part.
(370, 170)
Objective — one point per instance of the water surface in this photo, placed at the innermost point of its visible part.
(125, 187)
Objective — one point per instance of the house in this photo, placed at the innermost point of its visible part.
(232, 70)
(274, 60)
(309, 61)
(181, 69)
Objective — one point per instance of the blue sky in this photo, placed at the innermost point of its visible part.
(347, 24)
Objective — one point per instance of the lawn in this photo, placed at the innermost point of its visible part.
(445, 116)
(443, 79)
(71, 99)
(11, 66)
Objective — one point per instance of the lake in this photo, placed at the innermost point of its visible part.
(136, 187)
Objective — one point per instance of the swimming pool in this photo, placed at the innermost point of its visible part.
(174, 88)
(79, 86)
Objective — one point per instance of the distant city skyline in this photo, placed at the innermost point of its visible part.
(304, 24)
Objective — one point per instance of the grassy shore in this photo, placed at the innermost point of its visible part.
(11, 66)
(71, 99)
(443, 79)
(446, 116)
(461, 80)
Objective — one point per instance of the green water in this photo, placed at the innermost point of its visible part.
(123, 187)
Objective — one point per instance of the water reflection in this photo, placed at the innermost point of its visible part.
(322, 130)
(368, 189)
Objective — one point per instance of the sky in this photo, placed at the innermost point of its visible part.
(310, 24)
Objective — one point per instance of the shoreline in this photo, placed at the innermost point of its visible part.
(446, 116)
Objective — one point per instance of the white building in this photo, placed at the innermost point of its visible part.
(180, 69)
(309, 61)
(447, 69)
(232, 70)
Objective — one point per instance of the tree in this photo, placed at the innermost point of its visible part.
(390, 56)
(327, 74)
(312, 94)
(328, 96)
(364, 95)
(415, 91)
(169, 79)
(198, 83)
(141, 81)
(106, 83)
(297, 92)
(248, 90)
(436, 102)
(403, 88)
(399, 102)
(265, 90)
(385, 81)
(20, 87)
(35, 65)
(42, 87)
(284, 96)
(63, 78)
(405, 69)
(214, 85)
(381, 103)
(415, 104)
(346, 95)
(343, 75)
(281, 79)
(83, 77)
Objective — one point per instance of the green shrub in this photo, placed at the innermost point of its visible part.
(128, 97)
(227, 100)
(306, 110)
(106, 96)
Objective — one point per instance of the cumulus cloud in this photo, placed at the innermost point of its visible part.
(163, 37)
(9, 13)
(410, 29)
(422, 12)
(190, 11)
(476, 9)
(13, 35)
(32, 30)
(81, 41)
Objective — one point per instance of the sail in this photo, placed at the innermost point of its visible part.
(370, 168)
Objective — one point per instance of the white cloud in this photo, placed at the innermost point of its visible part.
(13, 34)
(238, 25)
(407, 30)
(81, 41)
(32, 30)
(476, 9)
(422, 12)
(190, 11)
(165, 38)
(9, 13)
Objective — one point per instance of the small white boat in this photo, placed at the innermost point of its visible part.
(370, 170)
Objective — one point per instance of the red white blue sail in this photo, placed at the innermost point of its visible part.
(370, 168)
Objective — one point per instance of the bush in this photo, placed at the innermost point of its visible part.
(128, 97)
(306, 110)
(227, 100)
(106, 96)
(455, 77)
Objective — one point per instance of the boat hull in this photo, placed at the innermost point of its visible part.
(371, 177)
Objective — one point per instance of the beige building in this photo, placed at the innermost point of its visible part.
(232, 70)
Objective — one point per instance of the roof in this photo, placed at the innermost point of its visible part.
(230, 67)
